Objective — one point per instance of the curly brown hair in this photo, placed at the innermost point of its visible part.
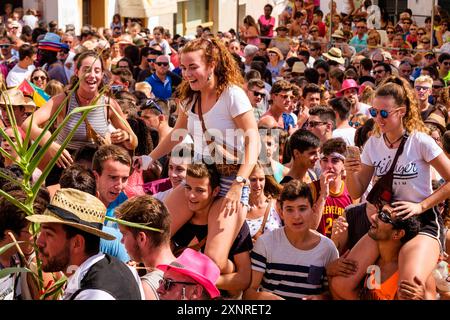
(226, 69)
(403, 94)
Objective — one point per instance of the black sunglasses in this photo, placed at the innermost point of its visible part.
(151, 60)
(167, 283)
(165, 64)
(4, 46)
(259, 94)
(153, 105)
(313, 124)
(378, 71)
(385, 217)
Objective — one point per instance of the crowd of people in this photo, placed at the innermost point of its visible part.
(304, 160)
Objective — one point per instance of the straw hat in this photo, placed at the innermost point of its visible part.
(199, 267)
(277, 51)
(338, 34)
(298, 67)
(15, 97)
(438, 121)
(125, 39)
(335, 54)
(75, 208)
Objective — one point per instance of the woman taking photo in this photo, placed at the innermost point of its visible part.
(89, 70)
(212, 91)
(397, 116)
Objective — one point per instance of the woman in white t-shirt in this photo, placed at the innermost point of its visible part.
(212, 83)
(395, 112)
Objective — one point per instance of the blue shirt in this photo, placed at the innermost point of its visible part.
(114, 247)
(161, 90)
(121, 198)
(359, 44)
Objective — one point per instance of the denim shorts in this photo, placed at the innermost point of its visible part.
(225, 185)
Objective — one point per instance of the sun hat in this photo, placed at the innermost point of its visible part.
(15, 97)
(347, 84)
(77, 209)
(438, 121)
(335, 54)
(52, 42)
(199, 267)
(125, 39)
(277, 51)
(281, 28)
(298, 67)
(338, 34)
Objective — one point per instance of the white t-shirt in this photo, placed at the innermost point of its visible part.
(364, 109)
(348, 134)
(30, 20)
(412, 174)
(219, 120)
(164, 45)
(17, 75)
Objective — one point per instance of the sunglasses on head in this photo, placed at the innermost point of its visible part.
(259, 94)
(383, 113)
(385, 217)
(36, 78)
(154, 105)
(164, 64)
(168, 283)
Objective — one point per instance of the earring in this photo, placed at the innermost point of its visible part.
(209, 77)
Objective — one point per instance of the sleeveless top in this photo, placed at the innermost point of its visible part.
(387, 289)
(273, 222)
(113, 276)
(97, 118)
(152, 279)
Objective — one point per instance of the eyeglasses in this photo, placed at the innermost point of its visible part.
(385, 217)
(429, 57)
(151, 60)
(313, 124)
(314, 30)
(164, 64)
(42, 78)
(425, 42)
(313, 49)
(322, 75)
(446, 63)
(354, 124)
(418, 88)
(14, 28)
(4, 46)
(383, 113)
(437, 86)
(377, 61)
(167, 283)
(378, 71)
(390, 32)
(259, 94)
(420, 33)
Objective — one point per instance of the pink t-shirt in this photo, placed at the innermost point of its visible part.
(269, 23)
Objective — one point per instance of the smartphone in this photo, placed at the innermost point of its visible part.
(353, 152)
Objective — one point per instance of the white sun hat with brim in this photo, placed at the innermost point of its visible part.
(335, 54)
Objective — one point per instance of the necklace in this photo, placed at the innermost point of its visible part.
(391, 144)
(85, 99)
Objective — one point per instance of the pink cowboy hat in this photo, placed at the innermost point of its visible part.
(347, 84)
(199, 267)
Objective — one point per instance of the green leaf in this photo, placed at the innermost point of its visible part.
(133, 224)
(8, 246)
(20, 205)
(7, 271)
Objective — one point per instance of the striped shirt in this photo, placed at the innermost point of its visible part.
(289, 272)
(97, 118)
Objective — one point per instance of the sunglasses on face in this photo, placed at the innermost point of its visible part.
(313, 124)
(151, 60)
(378, 71)
(420, 33)
(4, 46)
(421, 88)
(168, 283)
(383, 113)
(390, 32)
(385, 217)
(437, 86)
(259, 94)
(42, 78)
(446, 63)
(163, 64)
(354, 124)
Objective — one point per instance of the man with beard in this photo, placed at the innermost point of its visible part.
(49, 47)
(71, 228)
(350, 91)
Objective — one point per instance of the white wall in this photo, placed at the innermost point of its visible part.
(68, 13)
(422, 8)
